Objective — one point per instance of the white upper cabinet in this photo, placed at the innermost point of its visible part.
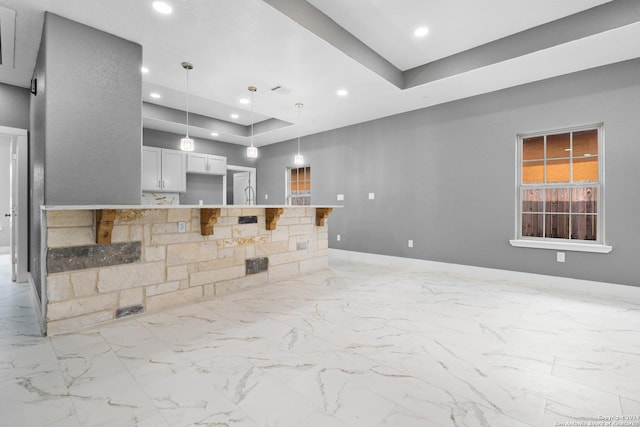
(197, 163)
(174, 166)
(207, 164)
(151, 169)
(217, 165)
(164, 170)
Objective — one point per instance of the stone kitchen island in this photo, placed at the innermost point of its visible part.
(102, 263)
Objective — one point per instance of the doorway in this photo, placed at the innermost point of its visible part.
(14, 200)
(240, 185)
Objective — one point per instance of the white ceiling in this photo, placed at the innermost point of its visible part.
(237, 43)
(454, 26)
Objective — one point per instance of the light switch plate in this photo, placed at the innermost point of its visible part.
(560, 256)
(340, 197)
(338, 237)
(372, 196)
(410, 243)
(182, 227)
(266, 197)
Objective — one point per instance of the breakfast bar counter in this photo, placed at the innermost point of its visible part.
(105, 262)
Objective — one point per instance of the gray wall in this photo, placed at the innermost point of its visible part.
(93, 115)
(14, 106)
(445, 176)
(207, 188)
(86, 122)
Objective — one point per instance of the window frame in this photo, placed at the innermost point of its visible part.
(289, 196)
(597, 246)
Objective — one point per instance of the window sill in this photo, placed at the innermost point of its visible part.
(562, 246)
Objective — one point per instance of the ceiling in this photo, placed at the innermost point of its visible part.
(313, 48)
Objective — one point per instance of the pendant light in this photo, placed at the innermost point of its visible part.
(299, 158)
(186, 143)
(252, 152)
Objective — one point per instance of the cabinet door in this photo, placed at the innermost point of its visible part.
(217, 165)
(174, 171)
(151, 169)
(197, 163)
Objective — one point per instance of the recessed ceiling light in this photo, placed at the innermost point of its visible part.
(342, 92)
(234, 116)
(214, 134)
(244, 101)
(421, 32)
(162, 7)
(144, 70)
(154, 95)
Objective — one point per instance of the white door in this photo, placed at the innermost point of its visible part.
(13, 210)
(18, 207)
(240, 183)
(5, 194)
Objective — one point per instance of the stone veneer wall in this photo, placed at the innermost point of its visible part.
(175, 268)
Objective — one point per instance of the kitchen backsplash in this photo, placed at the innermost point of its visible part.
(153, 198)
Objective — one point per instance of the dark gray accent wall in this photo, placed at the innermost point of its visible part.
(93, 115)
(14, 106)
(37, 141)
(444, 176)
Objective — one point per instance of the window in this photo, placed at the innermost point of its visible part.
(299, 185)
(560, 190)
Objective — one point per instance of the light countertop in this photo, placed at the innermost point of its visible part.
(133, 207)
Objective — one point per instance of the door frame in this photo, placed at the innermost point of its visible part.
(19, 202)
(253, 172)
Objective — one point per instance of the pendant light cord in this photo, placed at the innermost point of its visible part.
(252, 118)
(187, 103)
(299, 106)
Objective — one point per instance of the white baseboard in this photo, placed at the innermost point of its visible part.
(580, 286)
(37, 306)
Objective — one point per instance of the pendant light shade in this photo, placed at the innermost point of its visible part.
(298, 158)
(186, 143)
(252, 151)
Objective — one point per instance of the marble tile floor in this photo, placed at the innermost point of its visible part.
(365, 344)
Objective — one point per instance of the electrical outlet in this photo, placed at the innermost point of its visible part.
(410, 243)
(266, 197)
(372, 196)
(182, 227)
(340, 197)
(560, 256)
(338, 237)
